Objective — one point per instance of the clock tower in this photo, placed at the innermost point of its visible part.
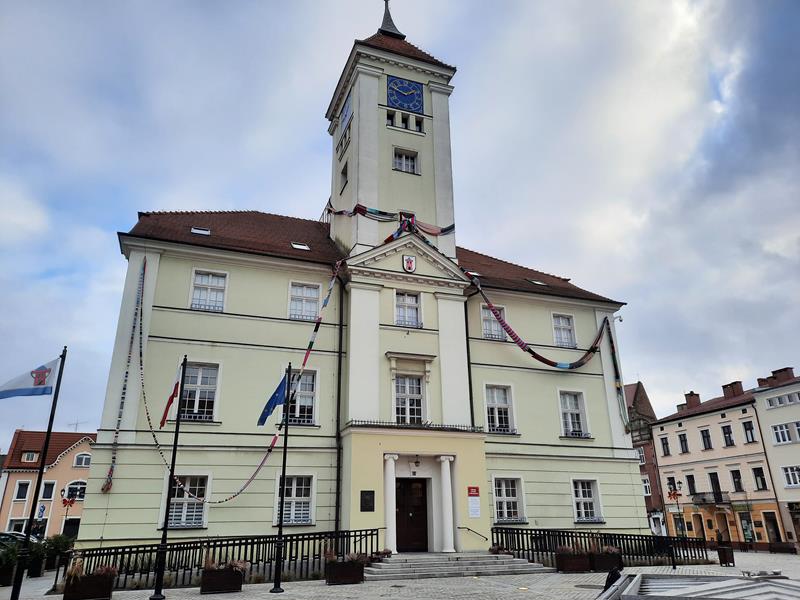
(390, 128)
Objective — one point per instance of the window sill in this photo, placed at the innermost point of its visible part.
(405, 130)
(20, 500)
(406, 172)
(409, 325)
(185, 422)
(575, 437)
(307, 425)
(753, 442)
(512, 433)
(566, 347)
(729, 446)
(591, 522)
(309, 524)
(706, 450)
(212, 311)
(517, 522)
(303, 319)
(184, 528)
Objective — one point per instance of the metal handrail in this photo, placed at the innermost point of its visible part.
(473, 531)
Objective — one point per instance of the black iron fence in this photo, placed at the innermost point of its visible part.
(304, 557)
(540, 545)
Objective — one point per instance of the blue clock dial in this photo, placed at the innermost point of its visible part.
(404, 94)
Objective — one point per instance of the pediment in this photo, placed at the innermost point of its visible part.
(387, 261)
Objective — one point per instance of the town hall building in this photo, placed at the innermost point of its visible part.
(417, 413)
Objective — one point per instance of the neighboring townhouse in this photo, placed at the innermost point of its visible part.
(3, 478)
(712, 455)
(417, 414)
(778, 403)
(66, 472)
(641, 415)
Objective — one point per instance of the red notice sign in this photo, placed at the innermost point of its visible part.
(473, 490)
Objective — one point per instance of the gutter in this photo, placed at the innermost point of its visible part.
(769, 470)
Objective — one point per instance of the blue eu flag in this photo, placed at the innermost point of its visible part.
(278, 397)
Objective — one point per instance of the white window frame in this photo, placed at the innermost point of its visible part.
(227, 276)
(642, 457)
(648, 490)
(496, 331)
(423, 395)
(511, 412)
(41, 491)
(733, 479)
(791, 472)
(764, 474)
(277, 498)
(586, 428)
(521, 505)
(402, 322)
(34, 456)
(215, 410)
(314, 402)
(16, 520)
(81, 455)
(74, 482)
(725, 443)
(165, 491)
(556, 342)
(302, 316)
(15, 497)
(406, 153)
(598, 506)
(781, 434)
(752, 431)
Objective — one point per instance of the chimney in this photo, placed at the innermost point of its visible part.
(681, 407)
(734, 388)
(763, 382)
(784, 374)
(692, 400)
(772, 380)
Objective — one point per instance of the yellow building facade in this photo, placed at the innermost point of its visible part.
(417, 414)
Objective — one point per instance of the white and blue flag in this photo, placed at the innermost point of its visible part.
(36, 382)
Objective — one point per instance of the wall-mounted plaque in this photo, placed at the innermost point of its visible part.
(367, 500)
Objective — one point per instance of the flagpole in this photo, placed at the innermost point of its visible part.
(22, 559)
(276, 586)
(161, 558)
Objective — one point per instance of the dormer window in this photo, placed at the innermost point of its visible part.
(201, 231)
(30, 457)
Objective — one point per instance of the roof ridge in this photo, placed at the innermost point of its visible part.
(508, 262)
(224, 212)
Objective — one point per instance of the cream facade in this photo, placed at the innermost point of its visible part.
(417, 415)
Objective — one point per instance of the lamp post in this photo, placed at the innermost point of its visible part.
(67, 502)
(674, 493)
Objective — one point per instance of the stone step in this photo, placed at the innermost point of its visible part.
(428, 566)
(456, 572)
(446, 556)
(445, 563)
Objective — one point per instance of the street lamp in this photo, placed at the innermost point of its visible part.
(674, 493)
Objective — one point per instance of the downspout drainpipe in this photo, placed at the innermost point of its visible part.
(469, 360)
(769, 471)
(337, 517)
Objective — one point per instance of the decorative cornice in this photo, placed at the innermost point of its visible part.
(440, 88)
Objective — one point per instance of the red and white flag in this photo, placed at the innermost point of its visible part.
(174, 394)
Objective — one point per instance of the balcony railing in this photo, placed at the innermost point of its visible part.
(425, 425)
(710, 498)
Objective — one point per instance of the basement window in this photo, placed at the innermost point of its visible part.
(201, 231)
(301, 246)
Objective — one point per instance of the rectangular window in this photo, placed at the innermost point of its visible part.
(408, 400)
(640, 452)
(646, 485)
(664, 446)
(30, 457)
(17, 525)
(297, 501)
(77, 490)
(407, 309)
(498, 408)
(761, 481)
(303, 302)
(705, 436)
(405, 160)
(83, 460)
(727, 435)
(671, 483)
(683, 442)
(199, 392)
(418, 126)
(48, 487)
(301, 408)
(506, 500)
(208, 291)
(564, 331)
(797, 429)
(22, 490)
(781, 433)
(792, 476)
(403, 121)
(690, 485)
(749, 433)
(390, 118)
(573, 415)
(343, 177)
(584, 495)
(491, 326)
(184, 510)
(736, 479)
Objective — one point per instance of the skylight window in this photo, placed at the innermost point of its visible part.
(535, 281)
(300, 246)
(201, 231)
(473, 274)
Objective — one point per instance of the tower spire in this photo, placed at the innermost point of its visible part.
(387, 26)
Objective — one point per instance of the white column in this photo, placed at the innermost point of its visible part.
(389, 501)
(447, 504)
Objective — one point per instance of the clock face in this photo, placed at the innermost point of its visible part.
(404, 94)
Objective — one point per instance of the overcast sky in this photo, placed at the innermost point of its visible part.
(649, 150)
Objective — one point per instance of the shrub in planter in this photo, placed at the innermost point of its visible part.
(8, 560)
(219, 579)
(378, 555)
(607, 558)
(56, 546)
(36, 559)
(97, 586)
(572, 560)
(499, 550)
(351, 570)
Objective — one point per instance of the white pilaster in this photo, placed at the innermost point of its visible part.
(443, 164)
(453, 359)
(364, 352)
(390, 501)
(447, 504)
(365, 151)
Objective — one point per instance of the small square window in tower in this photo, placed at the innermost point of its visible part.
(343, 178)
(405, 161)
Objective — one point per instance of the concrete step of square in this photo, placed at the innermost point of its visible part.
(467, 564)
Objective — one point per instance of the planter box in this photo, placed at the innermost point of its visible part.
(338, 573)
(7, 575)
(36, 567)
(725, 555)
(89, 587)
(219, 581)
(573, 563)
(606, 562)
(787, 547)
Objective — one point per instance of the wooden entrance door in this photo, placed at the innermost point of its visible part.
(412, 515)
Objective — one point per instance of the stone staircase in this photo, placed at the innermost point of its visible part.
(467, 564)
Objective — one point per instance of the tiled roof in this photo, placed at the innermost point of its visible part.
(636, 398)
(25, 441)
(403, 48)
(630, 393)
(267, 234)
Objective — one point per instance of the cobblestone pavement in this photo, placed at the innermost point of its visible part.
(555, 586)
